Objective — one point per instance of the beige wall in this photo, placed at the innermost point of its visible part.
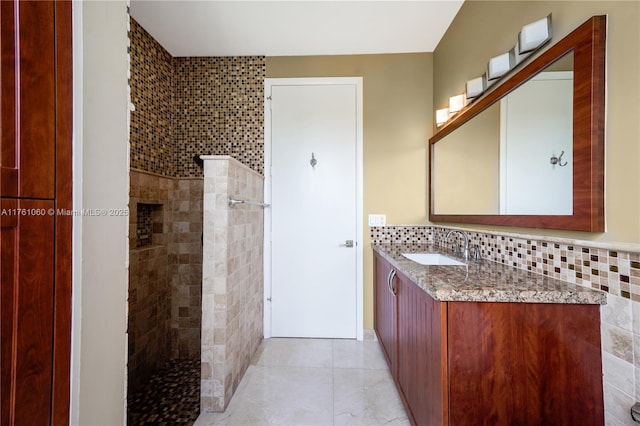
(484, 29)
(397, 123)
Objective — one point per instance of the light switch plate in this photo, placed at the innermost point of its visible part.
(377, 220)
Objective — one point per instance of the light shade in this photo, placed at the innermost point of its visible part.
(520, 56)
(533, 35)
(500, 65)
(477, 86)
(442, 115)
(456, 103)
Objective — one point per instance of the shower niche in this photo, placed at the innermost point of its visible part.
(149, 224)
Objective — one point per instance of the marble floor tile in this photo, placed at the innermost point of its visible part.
(280, 352)
(314, 382)
(355, 354)
(366, 397)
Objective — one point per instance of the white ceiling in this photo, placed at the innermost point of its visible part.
(284, 28)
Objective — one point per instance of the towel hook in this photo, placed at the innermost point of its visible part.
(313, 161)
(558, 160)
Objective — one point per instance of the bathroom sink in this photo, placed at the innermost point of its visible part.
(432, 259)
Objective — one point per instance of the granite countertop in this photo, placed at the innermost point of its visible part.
(484, 281)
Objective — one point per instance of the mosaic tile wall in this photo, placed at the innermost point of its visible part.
(185, 258)
(219, 110)
(151, 129)
(187, 106)
(233, 282)
(616, 272)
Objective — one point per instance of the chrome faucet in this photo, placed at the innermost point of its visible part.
(465, 251)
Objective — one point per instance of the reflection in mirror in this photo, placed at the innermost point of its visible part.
(514, 157)
(585, 49)
(466, 167)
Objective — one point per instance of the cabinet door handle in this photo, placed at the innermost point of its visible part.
(390, 278)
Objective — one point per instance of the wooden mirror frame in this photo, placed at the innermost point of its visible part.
(588, 43)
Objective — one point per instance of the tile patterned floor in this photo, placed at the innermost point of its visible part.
(300, 382)
(170, 397)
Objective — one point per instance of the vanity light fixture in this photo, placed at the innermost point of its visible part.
(530, 38)
(520, 56)
(500, 65)
(442, 115)
(456, 103)
(534, 35)
(476, 86)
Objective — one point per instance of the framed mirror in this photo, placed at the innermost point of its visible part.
(530, 153)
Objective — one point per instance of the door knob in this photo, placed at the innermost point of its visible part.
(348, 243)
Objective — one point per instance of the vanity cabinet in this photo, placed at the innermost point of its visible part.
(409, 325)
(385, 313)
(490, 363)
(421, 353)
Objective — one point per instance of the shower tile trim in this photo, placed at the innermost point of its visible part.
(233, 161)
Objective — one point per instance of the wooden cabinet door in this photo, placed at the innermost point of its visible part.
(385, 312)
(36, 128)
(28, 93)
(422, 347)
(27, 301)
(525, 364)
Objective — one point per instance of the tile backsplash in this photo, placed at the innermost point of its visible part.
(614, 271)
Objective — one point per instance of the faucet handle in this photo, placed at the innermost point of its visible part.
(475, 253)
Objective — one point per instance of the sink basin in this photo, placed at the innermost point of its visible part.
(432, 259)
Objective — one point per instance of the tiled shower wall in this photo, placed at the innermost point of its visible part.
(219, 110)
(185, 258)
(616, 272)
(152, 141)
(169, 270)
(187, 106)
(149, 287)
(233, 282)
(184, 107)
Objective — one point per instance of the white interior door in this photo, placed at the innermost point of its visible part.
(314, 197)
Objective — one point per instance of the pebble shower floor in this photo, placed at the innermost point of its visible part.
(170, 397)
